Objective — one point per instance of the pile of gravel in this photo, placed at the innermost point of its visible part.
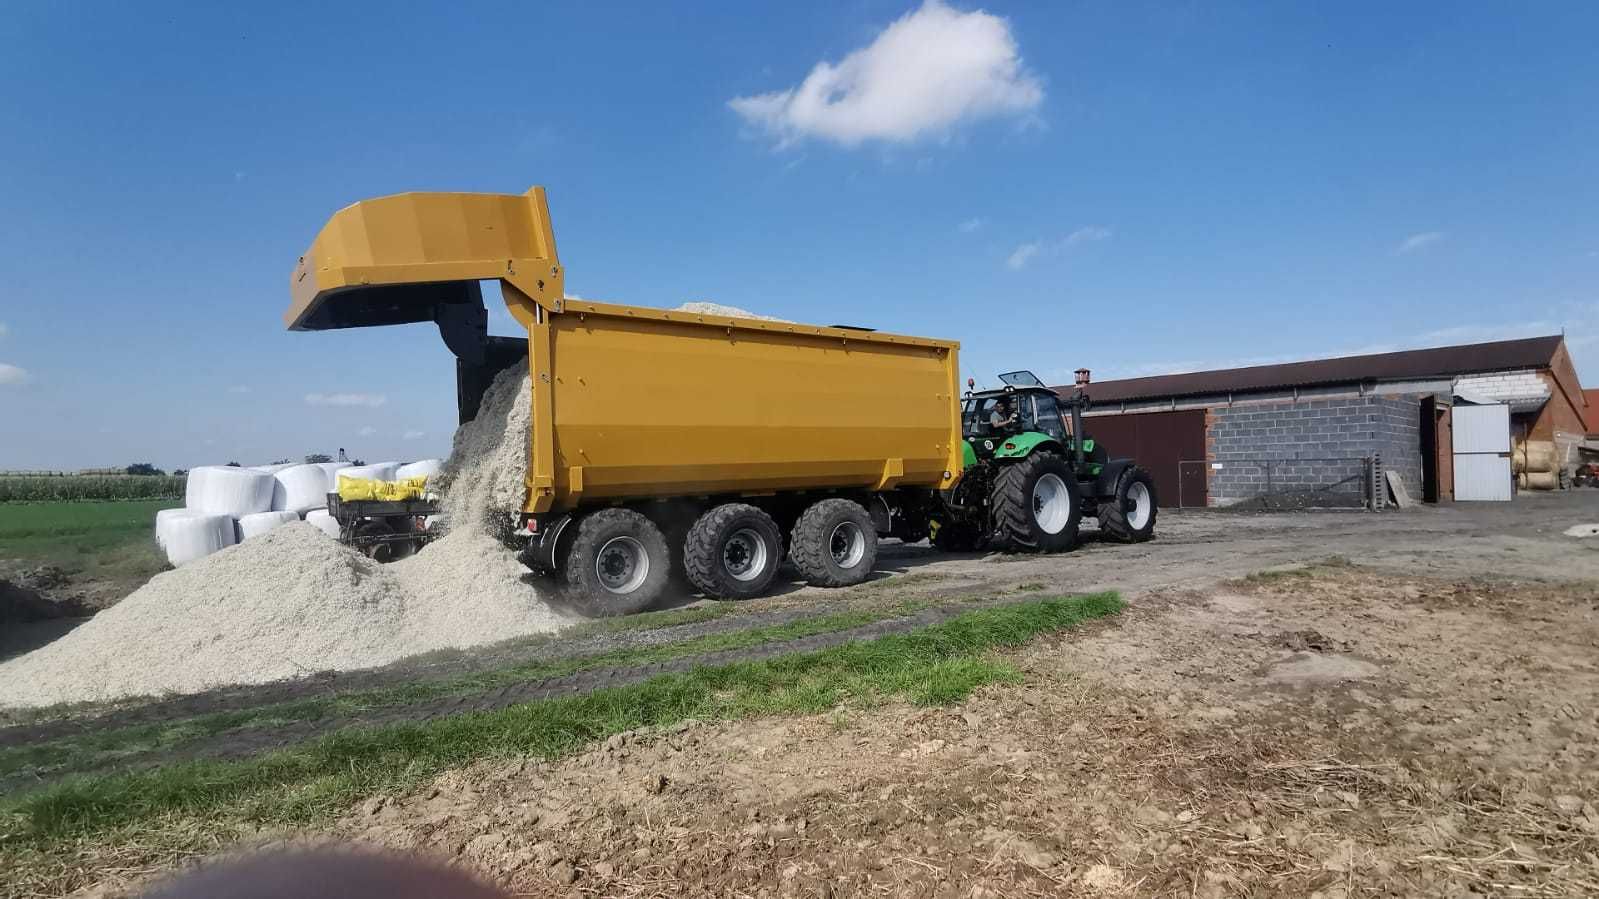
(704, 308)
(291, 602)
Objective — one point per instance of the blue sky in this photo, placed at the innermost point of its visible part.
(1133, 187)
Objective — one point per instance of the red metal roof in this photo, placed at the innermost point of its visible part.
(1407, 365)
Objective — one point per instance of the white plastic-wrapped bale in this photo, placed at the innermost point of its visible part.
(378, 471)
(323, 521)
(331, 467)
(163, 519)
(274, 468)
(190, 537)
(225, 490)
(424, 468)
(300, 489)
(261, 522)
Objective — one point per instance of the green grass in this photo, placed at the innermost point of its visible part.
(112, 541)
(99, 747)
(312, 782)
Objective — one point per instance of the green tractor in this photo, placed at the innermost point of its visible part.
(1029, 479)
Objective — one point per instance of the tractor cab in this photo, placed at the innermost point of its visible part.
(1003, 413)
(1024, 411)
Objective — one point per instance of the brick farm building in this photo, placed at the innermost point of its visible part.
(1307, 433)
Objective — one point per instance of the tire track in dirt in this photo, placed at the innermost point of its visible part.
(437, 667)
(249, 741)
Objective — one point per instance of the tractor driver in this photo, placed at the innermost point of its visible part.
(1003, 418)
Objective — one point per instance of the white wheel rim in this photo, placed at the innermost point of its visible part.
(847, 544)
(744, 555)
(1138, 505)
(622, 565)
(1052, 503)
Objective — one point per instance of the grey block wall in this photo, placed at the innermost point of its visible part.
(1302, 440)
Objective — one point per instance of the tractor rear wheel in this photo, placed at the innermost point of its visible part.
(732, 552)
(1035, 506)
(618, 564)
(834, 544)
(1129, 516)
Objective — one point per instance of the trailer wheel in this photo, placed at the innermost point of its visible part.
(1129, 516)
(733, 551)
(835, 544)
(618, 564)
(1035, 506)
(383, 552)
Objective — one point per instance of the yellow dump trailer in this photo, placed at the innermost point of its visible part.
(659, 439)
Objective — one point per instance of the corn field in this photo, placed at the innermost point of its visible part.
(64, 488)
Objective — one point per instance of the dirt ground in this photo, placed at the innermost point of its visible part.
(1401, 704)
(1337, 732)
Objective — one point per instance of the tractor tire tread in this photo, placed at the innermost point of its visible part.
(1113, 514)
(1011, 505)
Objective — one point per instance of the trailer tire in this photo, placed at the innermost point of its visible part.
(1129, 515)
(733, 551)
(1035, 505)
(834, 543)
(618, 564)
(384, 552)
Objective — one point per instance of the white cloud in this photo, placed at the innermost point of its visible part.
(971, 225)
(239, 388)
(931, 70)
(1022, 255)
(1086, 235)
(1416, 241)
(413, 435)
(1027, 252)
(11, 375)
(371, 400)
(367, 431)
(4, 330)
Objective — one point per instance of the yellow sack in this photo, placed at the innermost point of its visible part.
(403, 489)
(351, 489)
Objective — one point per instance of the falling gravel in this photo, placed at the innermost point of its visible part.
(291, 602)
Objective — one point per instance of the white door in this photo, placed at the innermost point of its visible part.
(1482, 476)
(1482, 429)
(1482, 452)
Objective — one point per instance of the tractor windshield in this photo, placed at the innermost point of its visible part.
(996, 416)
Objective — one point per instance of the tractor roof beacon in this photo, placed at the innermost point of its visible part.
(1032, 472)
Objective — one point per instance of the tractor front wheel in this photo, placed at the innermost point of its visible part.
(1035, 505)
(1129, 516)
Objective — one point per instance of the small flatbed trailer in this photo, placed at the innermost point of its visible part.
(385, 530)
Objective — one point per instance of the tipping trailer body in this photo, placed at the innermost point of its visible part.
(632, 402)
